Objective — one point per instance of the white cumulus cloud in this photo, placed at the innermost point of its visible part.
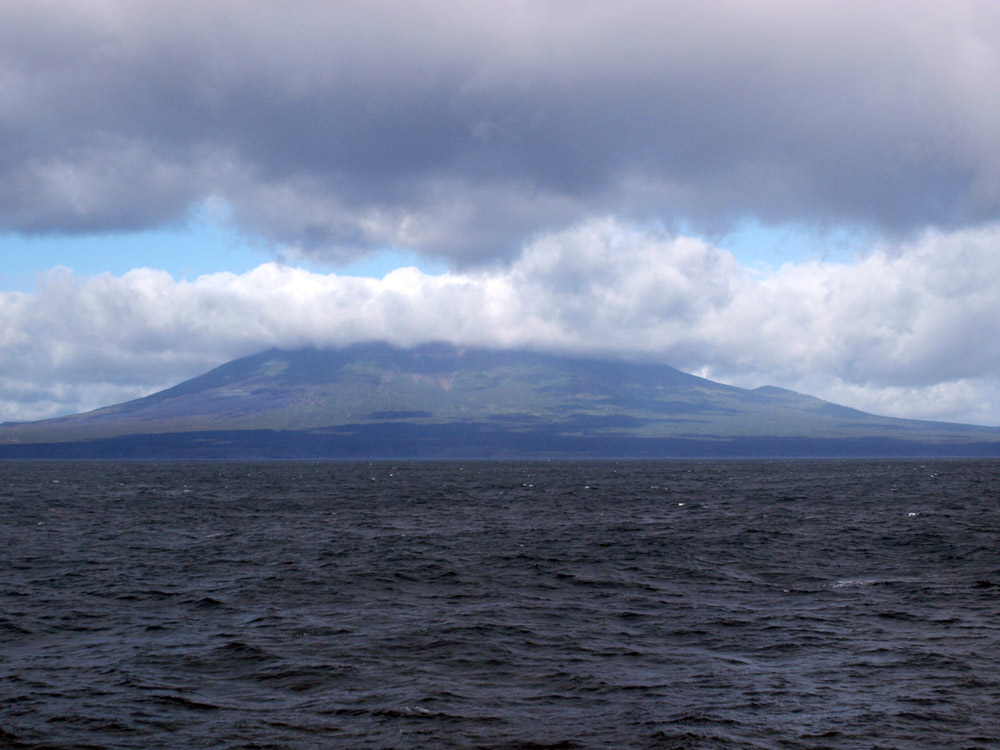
(904, 330)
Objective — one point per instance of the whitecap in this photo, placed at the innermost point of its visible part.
(854, 583)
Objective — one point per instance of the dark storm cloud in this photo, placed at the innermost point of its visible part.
(462, 128)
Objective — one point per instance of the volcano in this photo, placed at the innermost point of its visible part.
(374, 400)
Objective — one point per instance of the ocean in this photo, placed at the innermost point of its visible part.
(717, 604)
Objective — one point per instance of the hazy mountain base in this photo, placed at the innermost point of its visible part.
(438, 401)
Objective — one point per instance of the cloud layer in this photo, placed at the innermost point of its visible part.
(491, 136)
(905, 330)
(459, 129)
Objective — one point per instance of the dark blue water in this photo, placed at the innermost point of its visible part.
(516, 605)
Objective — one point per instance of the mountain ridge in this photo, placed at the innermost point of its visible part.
(473, 401)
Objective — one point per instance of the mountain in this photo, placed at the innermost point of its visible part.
(374, 400)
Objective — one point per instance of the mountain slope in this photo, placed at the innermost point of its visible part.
(440, 393)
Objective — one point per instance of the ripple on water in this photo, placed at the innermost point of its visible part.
(573, 605)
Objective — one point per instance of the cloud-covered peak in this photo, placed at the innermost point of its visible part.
(902, 330)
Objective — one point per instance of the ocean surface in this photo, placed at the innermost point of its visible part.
(757, 604)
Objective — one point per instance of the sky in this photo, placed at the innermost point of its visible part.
(771, 192)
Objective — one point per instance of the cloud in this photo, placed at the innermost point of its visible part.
(903, 330)
(461, 129)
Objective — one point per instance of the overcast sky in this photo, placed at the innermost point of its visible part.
(766, 192)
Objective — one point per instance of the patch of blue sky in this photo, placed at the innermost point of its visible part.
(381, 262)
(207, 245)
(759, 245)
(185, 252)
